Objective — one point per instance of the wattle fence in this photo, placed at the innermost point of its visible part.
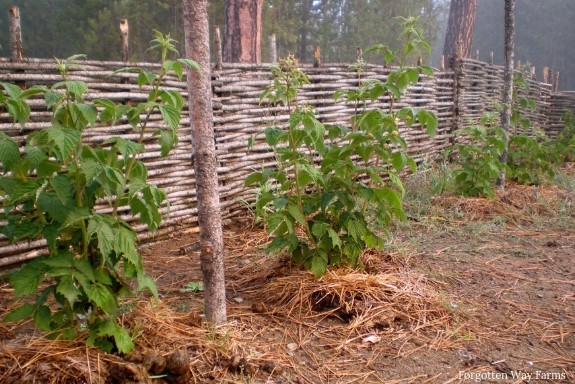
(458, 97)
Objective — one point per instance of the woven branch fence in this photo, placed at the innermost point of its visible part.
(458, 97)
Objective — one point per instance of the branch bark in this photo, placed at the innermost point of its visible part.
(507, 81)
(460, 29)
(243, 34)
(204, 158)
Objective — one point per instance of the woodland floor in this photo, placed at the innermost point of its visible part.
(469, 290)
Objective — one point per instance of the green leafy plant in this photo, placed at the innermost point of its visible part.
(562, 148)
(50, 185)
(528, 160)
(193, 287)
(335, 189)
(478, 158)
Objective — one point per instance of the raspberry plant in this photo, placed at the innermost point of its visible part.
(336, 189)
(50, 186)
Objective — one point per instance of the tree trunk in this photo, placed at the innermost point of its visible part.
(303, 33)
(196, 31)
(507, 81)
(243, 35)
(460, 29)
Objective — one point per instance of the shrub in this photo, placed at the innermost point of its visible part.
(50, 189)
(336, 189)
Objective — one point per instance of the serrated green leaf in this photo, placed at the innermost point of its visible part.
(76, 215)
(121, 336)
(190, 64)
(168, 140)
(63, 187)
(12, 90)
(171, 116)
(146, 78)
(146, 282)
(9, 153)
(23, 190)
(35, 156)
(296, 214)
(319, 229)
(125, 243)
(318, 265)
(84, 267)
(172, 98)
(273, 135)
(100, 226)
(67, 288)
(127, 148)
(253, 178)
(43, 317)
(65, 140)
(23, 312)
(335, 239)
(103, 297)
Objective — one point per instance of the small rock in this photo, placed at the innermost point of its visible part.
(292, 347)
(238, 300)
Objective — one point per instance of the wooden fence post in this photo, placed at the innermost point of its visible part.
(273, 49)
(317, 57)
(491, 58)
(218, 48)
(15, 34)
(556, 82)
(124, 35)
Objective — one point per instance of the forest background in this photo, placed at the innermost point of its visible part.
(61, 28)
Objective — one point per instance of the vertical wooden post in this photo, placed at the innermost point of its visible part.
(15, 34)
(477, 54)
(273, 49)
(359, 53)
(124, 35)
(533, 74)
(546, 75)
(218, 48)
(442, 63)
(551, 75)
(556, 82)
(491, 58)
(317, 56)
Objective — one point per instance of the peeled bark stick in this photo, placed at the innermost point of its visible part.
(124, 35)
(273, 49)
(15, 34)
(218, 47)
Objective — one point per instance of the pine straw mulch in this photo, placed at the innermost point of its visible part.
(351, 325)
(278, 317)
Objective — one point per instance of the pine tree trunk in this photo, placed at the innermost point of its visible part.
(204, 158)
(460, 29)
(243, 34)
(507, 80)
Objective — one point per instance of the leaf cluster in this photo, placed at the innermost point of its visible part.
(336, 189)
(50, 186)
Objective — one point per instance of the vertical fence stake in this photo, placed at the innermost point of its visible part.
(218, 48)
(273, 49)
(477, 54)
(442, 63)
(556, 82)
(317, 57)
(15, 34)
(491, 58)
(546, 75)
(124, 35)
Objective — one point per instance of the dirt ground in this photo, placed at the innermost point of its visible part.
(468, 290)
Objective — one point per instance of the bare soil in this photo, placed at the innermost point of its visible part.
(469, 290)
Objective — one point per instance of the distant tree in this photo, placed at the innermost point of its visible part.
(460, 25)
(243, 32)
(204, 158)
(507, 80)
